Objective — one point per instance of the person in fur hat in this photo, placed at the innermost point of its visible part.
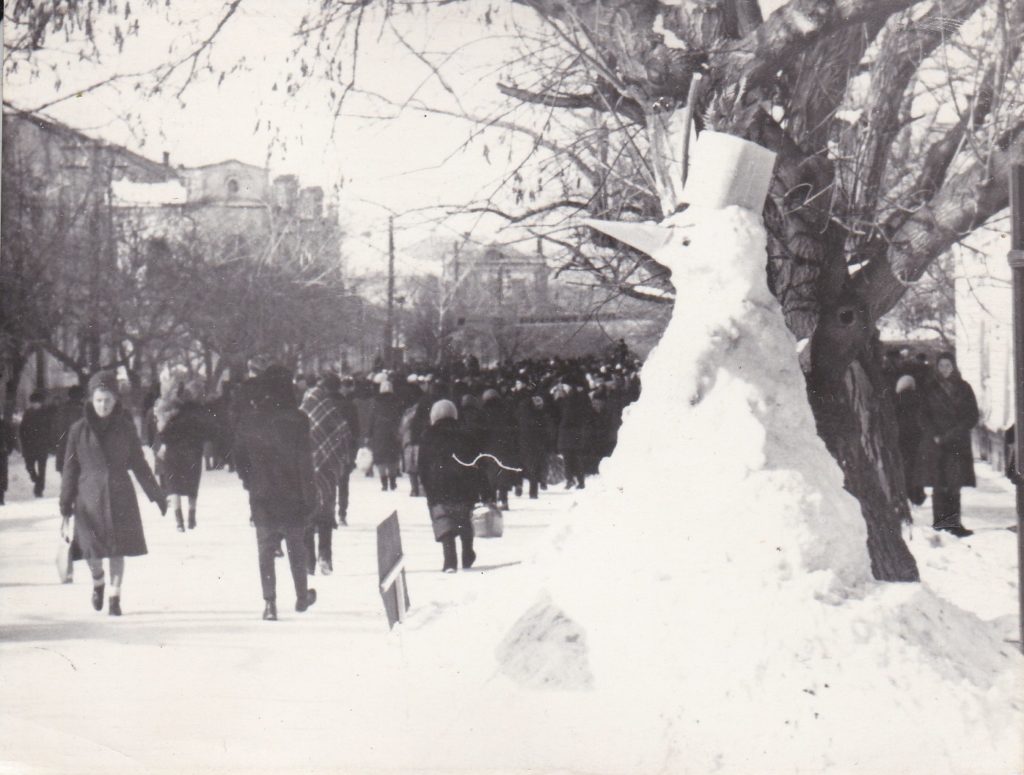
(451, 488)
(102, 448)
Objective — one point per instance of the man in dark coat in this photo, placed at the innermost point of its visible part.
(347, 406)
(102, 448)
(535, 436)
(949, 412)
(333, 453)
(451, 487)
(274, 459)
(64, 416)
(36, 436)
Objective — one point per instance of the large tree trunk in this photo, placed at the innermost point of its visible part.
(856, 420)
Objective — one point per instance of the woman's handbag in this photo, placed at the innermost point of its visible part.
(65, 566)
(488, 521)
(364, 459)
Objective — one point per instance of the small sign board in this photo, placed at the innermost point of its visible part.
(391, 570)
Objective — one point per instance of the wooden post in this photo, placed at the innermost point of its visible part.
(1017, 267)
(389, 328)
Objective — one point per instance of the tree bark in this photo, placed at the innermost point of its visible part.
(856, 420)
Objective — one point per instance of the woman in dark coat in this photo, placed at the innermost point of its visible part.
(385, 440)
(949, 412)
(451, 488)
(274, 459)
(535, 433)
(500, 440)
(183, 427)
(101, 448)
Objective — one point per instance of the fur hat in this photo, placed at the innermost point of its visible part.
(103, 380)
(443, 410)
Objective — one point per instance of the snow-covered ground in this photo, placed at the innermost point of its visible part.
(191, 679)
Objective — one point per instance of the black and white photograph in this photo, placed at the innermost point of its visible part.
(512, 387)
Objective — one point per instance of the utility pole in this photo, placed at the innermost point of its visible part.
(389, 328)
(1016, 258)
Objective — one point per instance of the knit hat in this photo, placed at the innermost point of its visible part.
(103, 380)
(490, 395)
(906, 382)
(443, 410)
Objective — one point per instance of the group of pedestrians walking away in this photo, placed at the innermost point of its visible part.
(462, 435)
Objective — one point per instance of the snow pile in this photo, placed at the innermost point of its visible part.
(718, 577)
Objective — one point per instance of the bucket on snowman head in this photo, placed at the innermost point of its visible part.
(728, 170)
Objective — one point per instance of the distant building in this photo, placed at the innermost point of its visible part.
(89, 201)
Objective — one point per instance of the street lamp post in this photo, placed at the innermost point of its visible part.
(1017, 267)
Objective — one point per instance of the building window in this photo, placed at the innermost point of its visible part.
(232, 187)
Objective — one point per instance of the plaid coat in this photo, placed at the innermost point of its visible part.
(329, 433)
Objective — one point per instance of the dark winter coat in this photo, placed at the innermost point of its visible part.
(182, 439)
(382, 428)
(908, 422)
(36, 432)
(451, 488)
(501, 438)
(348, 409)
(949, 412)
(274, 459)
(535, 432)
(603, 431)
(574, 422)
(97, 489)
(64, 416)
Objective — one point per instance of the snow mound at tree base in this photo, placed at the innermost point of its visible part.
(720, 576)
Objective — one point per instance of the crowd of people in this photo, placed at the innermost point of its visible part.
(461, 435)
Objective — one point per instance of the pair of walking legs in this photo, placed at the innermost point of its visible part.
(320, 535)
(574, 472)
(36, 467)
(465, 534)
(99, 583)
(174, 501)
(268, 539)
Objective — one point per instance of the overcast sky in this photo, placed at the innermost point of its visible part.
(401, 165)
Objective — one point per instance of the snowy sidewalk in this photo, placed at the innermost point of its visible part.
(191, 679)
(191, 670)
